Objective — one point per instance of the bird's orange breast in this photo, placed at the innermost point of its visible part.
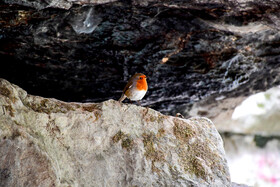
(142, 84)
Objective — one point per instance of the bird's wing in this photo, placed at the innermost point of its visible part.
(129, 85)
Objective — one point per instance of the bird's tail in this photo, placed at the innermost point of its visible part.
(122, 98)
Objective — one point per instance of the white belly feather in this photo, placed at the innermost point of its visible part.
(135, 96)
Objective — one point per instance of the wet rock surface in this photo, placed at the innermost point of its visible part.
(53, 143)
(189, 50)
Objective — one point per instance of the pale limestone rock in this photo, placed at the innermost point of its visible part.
(54, 143)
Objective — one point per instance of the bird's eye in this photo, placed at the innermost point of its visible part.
(141, 78)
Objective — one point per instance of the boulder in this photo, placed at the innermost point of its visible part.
(47, 142)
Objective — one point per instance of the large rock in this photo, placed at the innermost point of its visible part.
(54, 143)
(188, 49)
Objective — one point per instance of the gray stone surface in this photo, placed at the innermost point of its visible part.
(63, 4)
(54, 143)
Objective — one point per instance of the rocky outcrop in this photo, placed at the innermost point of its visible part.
(54, 143)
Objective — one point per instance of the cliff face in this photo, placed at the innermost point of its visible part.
(188, 49)
(54, 143)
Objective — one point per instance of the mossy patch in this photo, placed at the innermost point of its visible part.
(126, 140)
(182, 131)
(160, 133)
(91, 108)
(127, 143)
(160, 118)
(117, 137)
(151, 152)
(48, 106)
(7, 93)
(95, 108)
(154, 117)
(195, 153)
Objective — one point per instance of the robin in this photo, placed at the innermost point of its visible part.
(136, 88)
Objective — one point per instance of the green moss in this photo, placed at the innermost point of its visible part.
(153, 118)
(194, 151)
(150, 152)
(48, 106)
(161, 118)
(182, 131)
(149, 146)
(127, 142)
(117, 137)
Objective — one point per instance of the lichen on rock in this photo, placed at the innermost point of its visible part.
(104, 144)
(196, 153)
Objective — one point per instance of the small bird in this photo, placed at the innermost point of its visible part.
(136, 88)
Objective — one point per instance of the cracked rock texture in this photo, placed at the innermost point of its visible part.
(190, 50)
(53, 143)
(63, 4)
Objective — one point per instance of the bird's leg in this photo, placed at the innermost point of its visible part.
(138, 102)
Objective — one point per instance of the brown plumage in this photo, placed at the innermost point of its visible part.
(136, 88)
